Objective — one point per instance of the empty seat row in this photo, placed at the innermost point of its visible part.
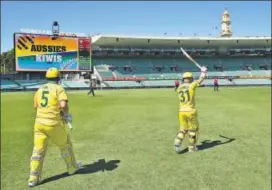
(147, 66)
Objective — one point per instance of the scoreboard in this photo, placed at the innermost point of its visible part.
(84, 53)
(36, 52)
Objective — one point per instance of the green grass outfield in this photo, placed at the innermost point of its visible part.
(125, 137)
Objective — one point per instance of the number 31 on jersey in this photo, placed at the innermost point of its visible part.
(184, 95)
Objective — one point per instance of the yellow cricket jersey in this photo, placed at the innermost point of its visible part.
(47, 100)
(186, 95)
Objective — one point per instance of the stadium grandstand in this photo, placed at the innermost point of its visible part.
(145, 62)
(120, 61)
(156, 62)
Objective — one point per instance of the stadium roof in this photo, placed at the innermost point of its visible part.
(121, 41)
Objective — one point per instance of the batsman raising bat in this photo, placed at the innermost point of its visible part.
(187, 112)
(51, 104)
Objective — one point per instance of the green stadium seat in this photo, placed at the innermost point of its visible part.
(260, 72)
(31, 84)
(144, 66)
(8, 84)
(116, 84)
(252, 82)
(74, 84)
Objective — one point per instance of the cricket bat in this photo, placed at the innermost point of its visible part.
(190, 58)
(70, 126)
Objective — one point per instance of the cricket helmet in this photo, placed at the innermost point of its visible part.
(187, 75)
(52, 73)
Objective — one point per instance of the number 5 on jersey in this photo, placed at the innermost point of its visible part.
(184, 95)
(44, 101)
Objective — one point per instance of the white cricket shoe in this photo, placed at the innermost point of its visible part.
(79, 166)
(193, 149)
(177, 149)
(33, 183)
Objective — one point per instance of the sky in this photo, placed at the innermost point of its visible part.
(249, 18)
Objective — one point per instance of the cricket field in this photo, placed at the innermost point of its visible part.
(124, 139)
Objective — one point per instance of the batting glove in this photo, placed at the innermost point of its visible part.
(68, 118)
(204, 69)
(203, 75)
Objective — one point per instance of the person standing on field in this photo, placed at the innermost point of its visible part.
(91, 88)
(176, 85)
(52, 115)
(215, 84)
(187, 112)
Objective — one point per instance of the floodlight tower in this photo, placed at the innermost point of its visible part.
(55, 29)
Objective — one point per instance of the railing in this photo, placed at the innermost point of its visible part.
(188, 37)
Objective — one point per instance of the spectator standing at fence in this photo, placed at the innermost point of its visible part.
(176, 85)
(215, 84)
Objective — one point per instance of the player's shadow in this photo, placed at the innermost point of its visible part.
(100, 165)
(206, 144)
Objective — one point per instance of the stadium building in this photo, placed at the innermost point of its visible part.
(119, 61)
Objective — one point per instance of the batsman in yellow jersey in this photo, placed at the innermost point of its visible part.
(51, 104)
(187, 111)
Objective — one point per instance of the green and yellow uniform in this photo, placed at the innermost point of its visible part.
(50, 125)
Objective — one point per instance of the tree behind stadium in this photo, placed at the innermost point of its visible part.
(7, 61)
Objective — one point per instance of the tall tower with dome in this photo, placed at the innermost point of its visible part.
(226, 25)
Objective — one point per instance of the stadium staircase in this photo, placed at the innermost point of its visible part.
(97, 74)
(95, 38)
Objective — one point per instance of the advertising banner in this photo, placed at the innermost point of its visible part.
(35, 52)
